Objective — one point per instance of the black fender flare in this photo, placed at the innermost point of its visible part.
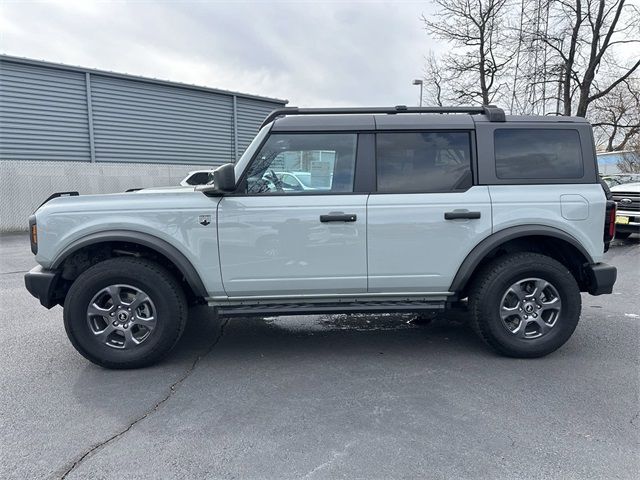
(160, 246)
(494, 240)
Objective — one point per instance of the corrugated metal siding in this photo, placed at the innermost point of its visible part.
(251, 113)
(138, 122)
(43, 114)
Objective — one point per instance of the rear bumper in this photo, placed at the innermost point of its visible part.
(602, 277)
(41, 284)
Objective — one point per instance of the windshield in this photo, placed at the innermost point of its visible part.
(613, 180)
(251, 150)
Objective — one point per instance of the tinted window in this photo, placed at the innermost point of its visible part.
(538, 154)
(304, 163)
(423, 161)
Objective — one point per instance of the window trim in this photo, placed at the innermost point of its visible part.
(472, 159)
(538, 179)
(359, 165)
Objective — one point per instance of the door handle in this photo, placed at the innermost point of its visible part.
(338, 217)
(457, 214)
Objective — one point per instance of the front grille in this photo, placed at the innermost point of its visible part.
(627, 201)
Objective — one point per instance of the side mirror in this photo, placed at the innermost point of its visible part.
(224, 178)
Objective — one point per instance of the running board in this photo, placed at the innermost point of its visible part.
(327, 308)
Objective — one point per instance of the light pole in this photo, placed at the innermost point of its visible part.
(419, 82)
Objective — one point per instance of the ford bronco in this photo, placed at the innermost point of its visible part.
(401, 210)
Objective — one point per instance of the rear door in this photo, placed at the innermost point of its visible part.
(426, 214)
(278, 240)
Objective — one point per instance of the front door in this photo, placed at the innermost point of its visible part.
(295, 227)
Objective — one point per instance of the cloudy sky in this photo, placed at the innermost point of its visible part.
(311, 53)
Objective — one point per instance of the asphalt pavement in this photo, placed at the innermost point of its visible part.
(314, 397)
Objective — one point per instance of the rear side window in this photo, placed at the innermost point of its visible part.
(523, 153)
(423, 162)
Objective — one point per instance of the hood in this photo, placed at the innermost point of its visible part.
(148, 198)
(627, 187)
(173, 189)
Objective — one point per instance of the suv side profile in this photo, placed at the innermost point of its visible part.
(406, 210)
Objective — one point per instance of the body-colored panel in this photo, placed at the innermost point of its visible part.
(172, 216)
(411, 247)
(275, 244)
(515, 205)
(574, 207)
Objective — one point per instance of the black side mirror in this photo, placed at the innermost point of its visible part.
(224, 178)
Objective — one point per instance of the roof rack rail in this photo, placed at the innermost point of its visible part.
(493, 113)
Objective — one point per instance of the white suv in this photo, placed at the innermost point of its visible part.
(408, 209)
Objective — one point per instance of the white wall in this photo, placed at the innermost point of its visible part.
(24, 185)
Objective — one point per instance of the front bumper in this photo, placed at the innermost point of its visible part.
(601, 277)
(634, 221)
(42, 284)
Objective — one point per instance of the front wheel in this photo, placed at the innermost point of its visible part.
(125, 313)
(525, 304)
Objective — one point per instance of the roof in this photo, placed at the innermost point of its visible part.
(106, 73)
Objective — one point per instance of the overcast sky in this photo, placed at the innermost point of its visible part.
(311, 53)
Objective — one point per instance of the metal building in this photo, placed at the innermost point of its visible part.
(72, 128)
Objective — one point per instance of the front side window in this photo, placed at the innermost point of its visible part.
(526, 153)
(423, 162)
(304, 163)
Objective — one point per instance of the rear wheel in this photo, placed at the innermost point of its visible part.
(125, 313)
(525, 304)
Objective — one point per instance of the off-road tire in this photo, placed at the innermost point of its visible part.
(161, 287)
(486, 296)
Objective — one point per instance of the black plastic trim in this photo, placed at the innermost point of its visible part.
(329, 308)
(338, 217)
(602, 277)
(365, 177)
(41, 284)
(172, 253)
(488, 244)
(455, 215)
(59, 194)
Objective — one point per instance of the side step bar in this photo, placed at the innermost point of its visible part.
(328, 308)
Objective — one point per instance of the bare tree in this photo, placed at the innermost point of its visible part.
(616, 117)
(474, 28)
(435, 81)
(581, 36)
(630, 161)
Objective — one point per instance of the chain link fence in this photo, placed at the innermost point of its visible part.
(24, 185)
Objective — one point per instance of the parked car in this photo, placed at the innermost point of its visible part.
(621, 178)
(198, 177)
(627, 198)
(423, 208)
